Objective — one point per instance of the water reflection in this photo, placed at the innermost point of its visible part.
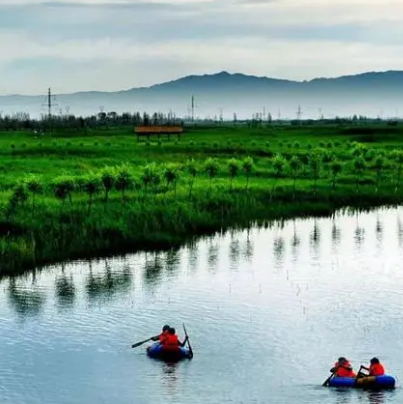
(65, 291)
(172, 260)
(248, 249)
(379, 229)
(336, 233)
(152, 271)
(105, 285)
(278, 249)
(376, 397)
(25, 302)
(315, 236)
(399, 231)
(234, 251)
(212, 257)
(193, 255)
(170, 377)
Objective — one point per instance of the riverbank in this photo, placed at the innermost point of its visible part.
(85, 199)
(47, 235)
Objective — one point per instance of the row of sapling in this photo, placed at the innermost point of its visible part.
(121, 178)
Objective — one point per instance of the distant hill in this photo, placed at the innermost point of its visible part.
(372, 93)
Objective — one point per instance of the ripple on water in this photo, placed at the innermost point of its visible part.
(268, 311)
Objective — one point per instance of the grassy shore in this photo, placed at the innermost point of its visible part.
(103, 193)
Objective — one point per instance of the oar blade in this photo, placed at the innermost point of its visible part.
(190, 348)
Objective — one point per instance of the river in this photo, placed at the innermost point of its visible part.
(268, 311)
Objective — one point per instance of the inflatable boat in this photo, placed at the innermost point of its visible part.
(166, 352)
(369, 382)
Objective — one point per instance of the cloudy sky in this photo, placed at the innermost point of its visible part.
(74, 45)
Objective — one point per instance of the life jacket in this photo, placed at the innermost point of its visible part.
(171, 340)
(376, 370)
(163, 336)
(342, 372)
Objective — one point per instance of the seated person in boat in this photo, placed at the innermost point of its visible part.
(343, 368)
(163, 334)
(375, 368)
(171, 339)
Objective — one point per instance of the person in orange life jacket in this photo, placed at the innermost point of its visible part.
(375, 368)
(343, 368)
(163, 334)
(172, 339)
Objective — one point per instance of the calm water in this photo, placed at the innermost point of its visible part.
(268, 311)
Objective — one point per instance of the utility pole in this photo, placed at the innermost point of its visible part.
(299, 114)
(50, 104)
(193, 109)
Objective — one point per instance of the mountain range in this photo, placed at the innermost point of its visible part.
(371, 94)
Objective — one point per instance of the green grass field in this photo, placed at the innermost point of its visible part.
(72, 195)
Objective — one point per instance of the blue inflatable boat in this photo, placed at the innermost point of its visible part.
(168, 353)
(369, 382)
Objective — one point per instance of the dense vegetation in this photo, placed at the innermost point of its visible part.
(75, 195)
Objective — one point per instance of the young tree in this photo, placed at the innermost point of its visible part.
(192, 169)
(315, 165)
(359, 166)
(233, 169)
(63, 187)
(248, 166)
(18, 198)
(108, 179)
(336, 168)
(279, 164)
(379, 165)
(34, 187)
(397, 157)
(91, 186)
(124, 180)
(171, 175)
(211, 167)
(295, 165)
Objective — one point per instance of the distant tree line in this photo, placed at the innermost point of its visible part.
(23, 121)
(106, 120)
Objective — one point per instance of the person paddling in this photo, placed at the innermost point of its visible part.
(375, 368)
(171, 339)
(163, 334)
(343, 368)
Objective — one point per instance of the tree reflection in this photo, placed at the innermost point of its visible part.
(153, 270)
(315, 235)
(106, 285)
(399, 231)
(172, 260)
(24, 301)
(379, 229)
(296, 240)
(234, 252)
(359, 232)
(336, 232)
(278, 249)
(212, 257)
(65, 291)
(193, 255)
(248, 249)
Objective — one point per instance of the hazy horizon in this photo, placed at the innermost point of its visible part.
(101, 45)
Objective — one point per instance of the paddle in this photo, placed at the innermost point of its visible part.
(143, 342)
(187, 338)
(326, 382)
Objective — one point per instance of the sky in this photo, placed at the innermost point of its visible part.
(82, 45)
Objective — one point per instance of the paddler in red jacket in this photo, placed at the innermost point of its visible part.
(163, 334)
(343, 368)
(375, 368)
(171, 339)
